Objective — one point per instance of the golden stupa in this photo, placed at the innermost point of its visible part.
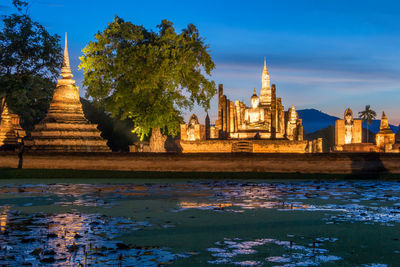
(11, 133)
(65, 128)
(385, 137)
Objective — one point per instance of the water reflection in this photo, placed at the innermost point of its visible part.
(203, 205)
(239, 252)
(4, 218)
(70, 239)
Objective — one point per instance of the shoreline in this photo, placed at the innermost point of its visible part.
(201, 166)
(68, 174)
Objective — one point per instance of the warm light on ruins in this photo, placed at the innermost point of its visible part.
(65, 127)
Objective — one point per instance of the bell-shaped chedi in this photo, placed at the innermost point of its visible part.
(11, 132)
(65, 127)
(385, 137)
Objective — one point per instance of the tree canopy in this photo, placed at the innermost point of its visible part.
(367, 115)
(148, 76)
(30, 58)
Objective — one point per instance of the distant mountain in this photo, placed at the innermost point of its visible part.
(315, 120)
(376, 124)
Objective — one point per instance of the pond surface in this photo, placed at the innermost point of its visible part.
(207, 223)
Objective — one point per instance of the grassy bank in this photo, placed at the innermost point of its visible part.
(8, 173)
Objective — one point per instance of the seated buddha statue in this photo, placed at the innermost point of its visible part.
(193, 121)
(254, 116)
(348, 126)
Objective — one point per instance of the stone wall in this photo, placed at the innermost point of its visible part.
(206, 146)
(258, 146)
(279, 146)
(332, 163)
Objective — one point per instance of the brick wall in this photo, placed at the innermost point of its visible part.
(346, 163)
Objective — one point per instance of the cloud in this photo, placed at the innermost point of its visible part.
(340, 64)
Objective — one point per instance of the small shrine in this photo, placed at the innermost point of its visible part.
(193, 131)
(385, 139)
(348, 132)
(11, 132)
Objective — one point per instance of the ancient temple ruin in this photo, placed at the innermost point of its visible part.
(385, 139)
(264, 127)
(264, 119)
(11, 132)
(65, 127)
(348, 133)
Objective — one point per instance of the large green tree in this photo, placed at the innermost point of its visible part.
(30, 58)
(148, 76)
(367, 115)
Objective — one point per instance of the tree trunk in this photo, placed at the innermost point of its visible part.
(367, 133)
(157, 141)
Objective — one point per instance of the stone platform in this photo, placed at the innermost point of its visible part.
(255, 146)
(360, 148)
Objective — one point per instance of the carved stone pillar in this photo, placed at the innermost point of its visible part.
(231, 117)
(207, 122)
(273, 112)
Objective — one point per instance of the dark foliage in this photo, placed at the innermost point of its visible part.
(30, 59)
(117, 132)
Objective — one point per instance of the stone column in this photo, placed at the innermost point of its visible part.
(238, 115)
(310, 147)
(319, 145)
(299, 131)
(224, 117)
(273, 112)
(219, 122)
(207, 124)
(231, 117)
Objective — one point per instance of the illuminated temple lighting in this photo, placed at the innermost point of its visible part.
(65, 127)
(4, 218)
(194, 205)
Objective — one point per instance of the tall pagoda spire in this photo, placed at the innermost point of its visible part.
(265, 76)
(265, 70)
(66, 68)
(266, 92)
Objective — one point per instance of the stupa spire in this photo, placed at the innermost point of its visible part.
(384, 122)
(265, 70)
(265, 77)
(66, 68)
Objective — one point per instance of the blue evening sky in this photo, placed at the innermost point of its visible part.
(327, 55)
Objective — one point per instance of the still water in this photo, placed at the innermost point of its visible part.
(199, 223)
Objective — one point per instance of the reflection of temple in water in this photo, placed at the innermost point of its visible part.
(263, 127)
(4, 218)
